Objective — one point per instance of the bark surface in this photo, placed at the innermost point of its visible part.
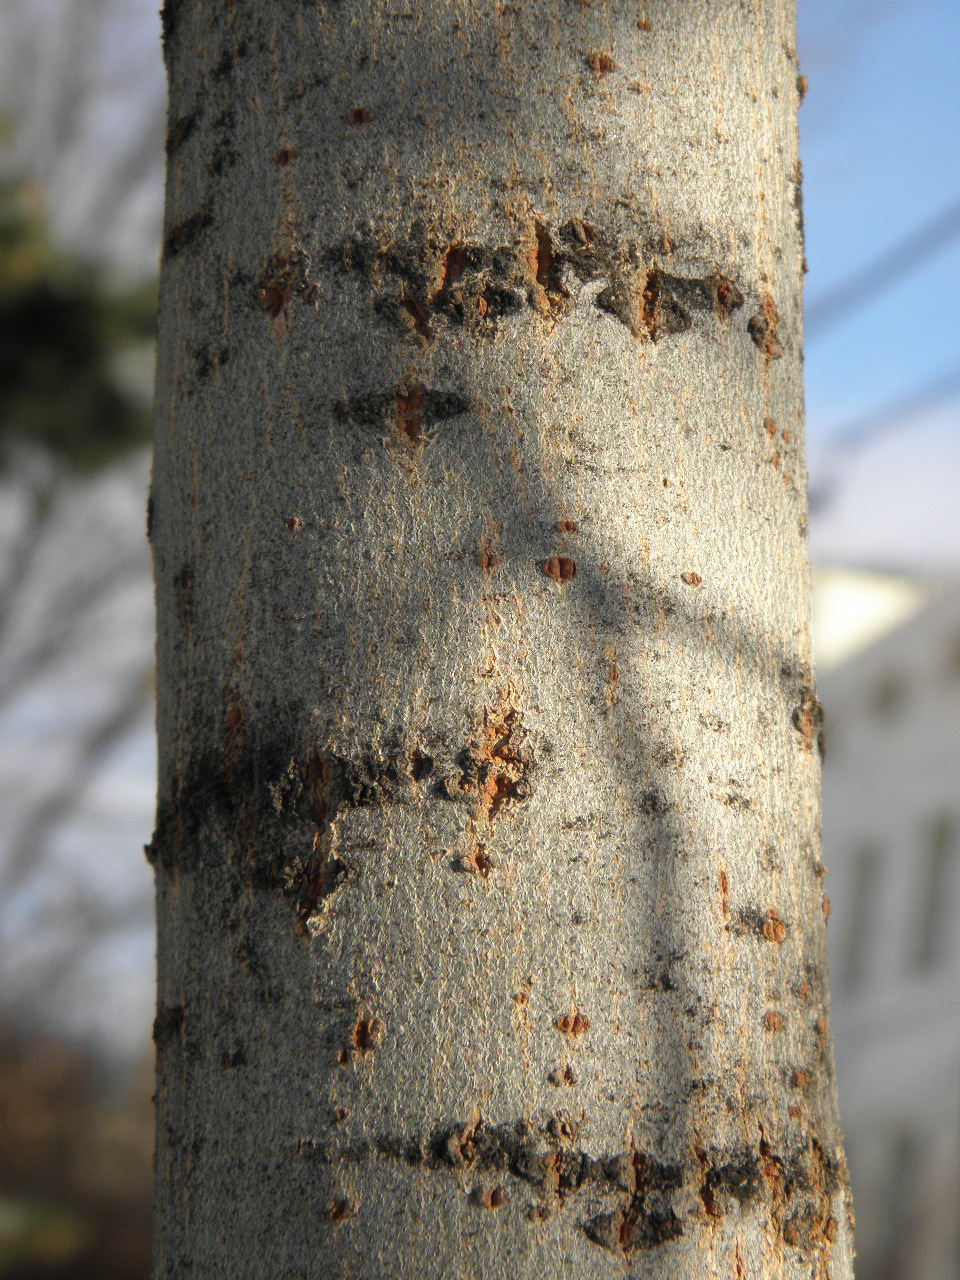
(491, 919)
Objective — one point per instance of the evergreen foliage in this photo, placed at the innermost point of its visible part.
(63, 332)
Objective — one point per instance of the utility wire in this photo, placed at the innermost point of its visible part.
(885, 270)
(943, 387)
(861, 430)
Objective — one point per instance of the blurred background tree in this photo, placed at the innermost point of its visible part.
(76, 359)
(75, 1164)
(82, 95)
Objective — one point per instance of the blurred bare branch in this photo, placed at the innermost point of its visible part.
(92, 748)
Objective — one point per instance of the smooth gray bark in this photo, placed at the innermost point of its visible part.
(491, 920)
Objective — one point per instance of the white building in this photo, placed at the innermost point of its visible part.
(891, 833)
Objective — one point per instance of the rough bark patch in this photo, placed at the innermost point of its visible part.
(808, 720)
(796, 1184)
(494, 770)
(419, 283)
(763, 328)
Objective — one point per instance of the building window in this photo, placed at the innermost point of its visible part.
(954, 663)
(889, 696)
(936, 911)
(887, 1170)
(905, 1172)
(861, 919)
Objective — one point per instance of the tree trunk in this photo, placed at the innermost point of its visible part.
(491, 925)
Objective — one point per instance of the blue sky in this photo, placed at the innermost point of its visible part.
(881, 156)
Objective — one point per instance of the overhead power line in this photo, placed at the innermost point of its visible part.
(883, 272)
(943, 387)
(862, 430)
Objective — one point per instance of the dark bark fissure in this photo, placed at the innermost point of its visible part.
(265, 798)
(410, 409)
(421, 283)
(187, 232)
(797, 1183)
(269, 797)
